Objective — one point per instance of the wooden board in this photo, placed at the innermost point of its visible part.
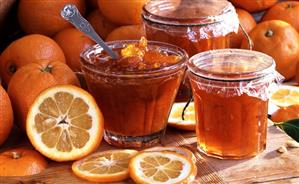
(268, 167)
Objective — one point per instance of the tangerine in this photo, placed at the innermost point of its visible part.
(26, 50)
(21, 162)
(122, 12)
(248, 23)
(286, 113)
(6, 115)
(43, 16)
(131, 32)
(32, 79)
(279, 40)
(101, 24)
(287, 11)
(254, 5)
(73, 42)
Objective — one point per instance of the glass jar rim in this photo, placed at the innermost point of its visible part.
(92, 51)
(178, 22)
(200, 66)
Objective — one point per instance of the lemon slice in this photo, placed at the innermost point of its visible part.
(64, 123)
(106, 166)
(285, 96)
(175, 118)
(161, 168)
(180, 150)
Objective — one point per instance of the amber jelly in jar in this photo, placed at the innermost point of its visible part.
(230, 90)
(194, 25)
(135, 93)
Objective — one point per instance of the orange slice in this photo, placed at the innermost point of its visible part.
(180, 150)
(161, 168)
(64, 123)
(175, 118)
(106, 166)
(285, 96)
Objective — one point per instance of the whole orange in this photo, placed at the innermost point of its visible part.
(43, 16)
(26, 50)
(6, 115)
(122, 12)
(101, 24)
(279, 40)
(285, 113)
(254, 5)
(32, 79)
(73, 42)
(131, 32)
(248, 23)
(287, 11)
(21, 162)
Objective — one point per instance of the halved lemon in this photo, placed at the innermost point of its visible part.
(285, 96)
(175, 118)
(161, 167)
(180, 150)
(106, 166)
(64, 123)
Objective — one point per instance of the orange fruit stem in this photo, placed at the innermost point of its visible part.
(15, 155)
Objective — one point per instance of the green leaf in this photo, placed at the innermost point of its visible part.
(291, 128)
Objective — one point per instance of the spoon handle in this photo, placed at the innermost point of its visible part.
(72, 14)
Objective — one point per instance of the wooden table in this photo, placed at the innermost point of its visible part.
(268, 167)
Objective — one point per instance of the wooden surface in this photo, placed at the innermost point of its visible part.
(268, 167)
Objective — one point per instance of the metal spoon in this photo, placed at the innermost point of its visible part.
(70, 13)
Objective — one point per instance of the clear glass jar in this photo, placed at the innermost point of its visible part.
(194, 25)
(135, 104)
(230, 90)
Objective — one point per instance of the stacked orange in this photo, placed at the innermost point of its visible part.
(63, 122)
(29, 67)
(112, 12)
(276, 34)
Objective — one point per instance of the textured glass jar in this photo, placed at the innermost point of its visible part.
(135, 104)
(194, 25)
(230, 90)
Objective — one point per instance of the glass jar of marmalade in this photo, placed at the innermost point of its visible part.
(135, 93)
(194, 25)
(230, 90)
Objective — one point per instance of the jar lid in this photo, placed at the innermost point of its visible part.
(215, 17)
(232, 65)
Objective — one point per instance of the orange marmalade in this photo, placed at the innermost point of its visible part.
(194, 25)
(136, 91)
(231, 102)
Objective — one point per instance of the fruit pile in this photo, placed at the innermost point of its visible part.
(276, 34)
(41, 90)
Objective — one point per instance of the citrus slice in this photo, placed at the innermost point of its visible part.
(175, 118)
(106, 166)
(180, 150)
(161, 168)
(64, 123)
(285, 96)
